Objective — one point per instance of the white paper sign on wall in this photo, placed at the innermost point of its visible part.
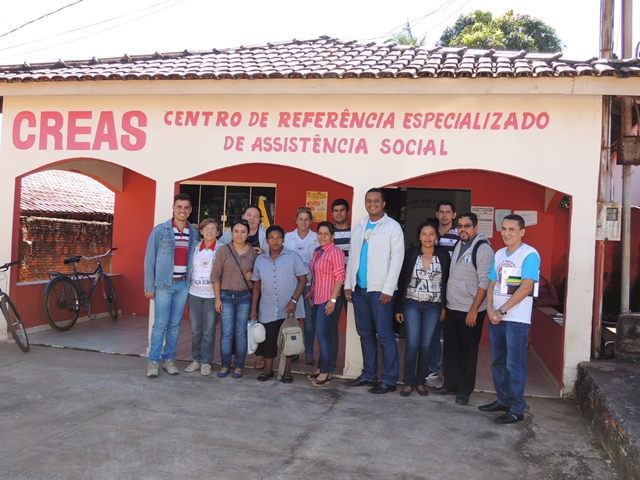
(530, 217)
(485, 220)
(500, 214)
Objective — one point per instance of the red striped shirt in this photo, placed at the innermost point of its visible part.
(327, 268)
(181, 252)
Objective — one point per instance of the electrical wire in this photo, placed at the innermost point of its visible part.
(440, 8)
(82, 28)
(40, 18)
(447, 18)
(93, 34)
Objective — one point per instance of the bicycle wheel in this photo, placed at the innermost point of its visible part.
(62, 304)
(14, 323)
(109, 295)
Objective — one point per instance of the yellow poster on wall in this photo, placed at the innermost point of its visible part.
(317, 202)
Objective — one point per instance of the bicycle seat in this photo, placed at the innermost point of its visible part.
(69, 260)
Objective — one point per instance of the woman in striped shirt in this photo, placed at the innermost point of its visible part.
(327, 270)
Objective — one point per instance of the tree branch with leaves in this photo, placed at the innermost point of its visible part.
(508, 32)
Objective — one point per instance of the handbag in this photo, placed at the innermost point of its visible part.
(290, 341)
(256, 333)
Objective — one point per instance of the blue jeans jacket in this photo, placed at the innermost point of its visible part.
(158, 261)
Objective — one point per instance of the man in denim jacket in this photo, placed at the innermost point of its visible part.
(167, 268)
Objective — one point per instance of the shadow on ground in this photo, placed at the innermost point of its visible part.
(76, 414)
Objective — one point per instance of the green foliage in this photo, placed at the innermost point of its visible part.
(480, 35)
(451, 33)
(405, 37)
(509, 32)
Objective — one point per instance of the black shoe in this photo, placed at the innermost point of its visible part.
(263, 377)
(286, 379)
(493, 407)
(359, 382)
(423, 392)
(509, 417)
(405, 393)
(381, 388)
(443, 391)
(321, 383)
(462, 399)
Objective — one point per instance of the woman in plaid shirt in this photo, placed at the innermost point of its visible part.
(328, 271)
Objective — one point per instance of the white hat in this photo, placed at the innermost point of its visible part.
(256, 334)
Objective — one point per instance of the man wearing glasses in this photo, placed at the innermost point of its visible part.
(466, 309)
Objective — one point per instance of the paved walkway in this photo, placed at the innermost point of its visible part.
(128, 336)
(67, 414)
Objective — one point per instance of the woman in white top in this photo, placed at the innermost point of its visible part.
(303, 241)
(202, 312)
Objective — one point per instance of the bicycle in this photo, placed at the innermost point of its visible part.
(11, 315)
(64, 295)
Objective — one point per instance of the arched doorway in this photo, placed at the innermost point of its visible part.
(548, 233)
(225, 191)
(133, 215)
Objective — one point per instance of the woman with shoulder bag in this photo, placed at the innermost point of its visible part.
(231, 278)
(420, 303)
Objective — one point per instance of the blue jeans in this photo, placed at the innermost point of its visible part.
(234, 318)
(509, 367)
(420, 321)
(309, 324)
(168, 305)
(335, 335)
(373, 318)
(436, 350)
(324, 325)
(203, 316)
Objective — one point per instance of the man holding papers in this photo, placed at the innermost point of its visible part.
(513, 280)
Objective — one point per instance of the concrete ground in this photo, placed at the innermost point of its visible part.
(68, 414)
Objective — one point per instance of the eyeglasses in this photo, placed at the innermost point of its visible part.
(210, 229)
(466, 225)
(241, 221)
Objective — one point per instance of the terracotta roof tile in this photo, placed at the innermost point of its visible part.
(320, 58)
(57, 191)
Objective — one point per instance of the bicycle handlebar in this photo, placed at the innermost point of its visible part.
(80, 257)
(10, 264)
(108, 252)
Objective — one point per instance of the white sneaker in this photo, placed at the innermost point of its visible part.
(170, 367)
(193, 366)
(205, 369)
(152, 369)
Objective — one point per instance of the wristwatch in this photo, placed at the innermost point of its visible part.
(333, 300)
(294, 300)
(501, 312)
